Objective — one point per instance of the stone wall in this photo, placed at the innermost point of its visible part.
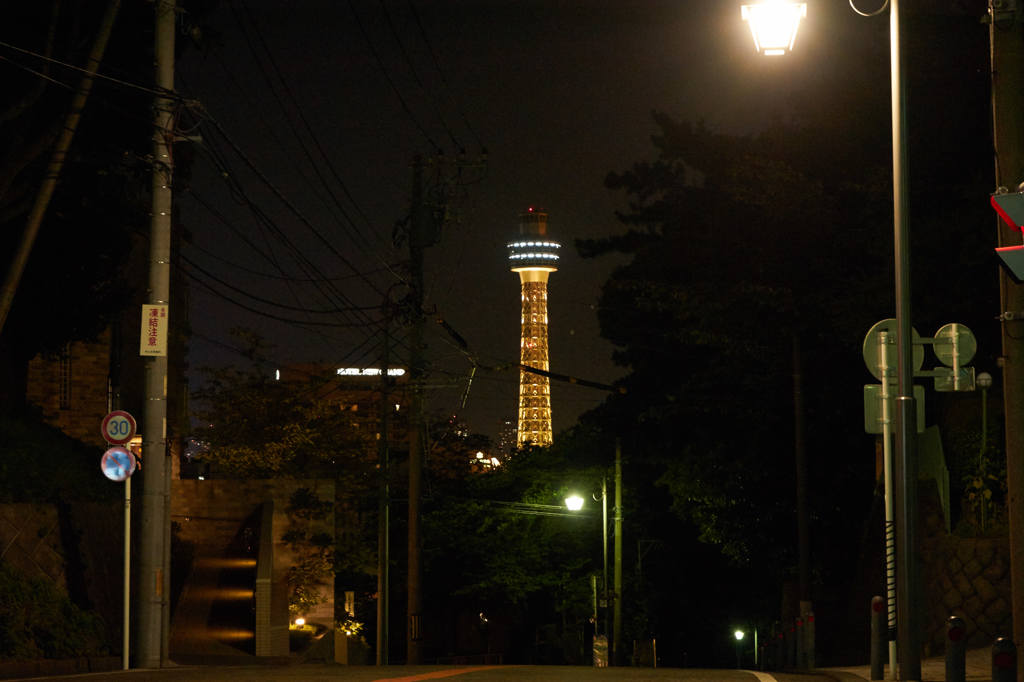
(969, 578)
(87, 365)
(30, 541)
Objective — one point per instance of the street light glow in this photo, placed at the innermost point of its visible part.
(738, 635)
(774, 24)
(574, 502)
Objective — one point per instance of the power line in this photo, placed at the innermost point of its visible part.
(156, 91)
(415, 73)
(261, 313)
(348, 223)
(239, 290)
(286, 202)
(440, 72)
(390, 82)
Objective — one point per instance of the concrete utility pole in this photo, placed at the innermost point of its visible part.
(617, 611)
(806, 606)
(384, 503)
(151, 620)
(53, 170)
(417, 243)
(1007, 45)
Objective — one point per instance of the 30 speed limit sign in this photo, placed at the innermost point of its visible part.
(118, 427)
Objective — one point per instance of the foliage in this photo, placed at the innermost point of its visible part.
(749, 254)
(255, 426)
(495, 556)
(312, 551)
(38, 621)
(985, 490)
(707, 314)
(38, 463)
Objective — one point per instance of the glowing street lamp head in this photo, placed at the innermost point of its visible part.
(774, 23)
(739, 634)
(574, 503)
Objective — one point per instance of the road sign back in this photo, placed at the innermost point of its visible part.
(873, 354)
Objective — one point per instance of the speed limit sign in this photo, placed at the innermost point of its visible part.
(118, 427)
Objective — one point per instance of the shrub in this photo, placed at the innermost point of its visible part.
(38, 621)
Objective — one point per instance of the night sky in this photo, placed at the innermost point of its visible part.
(331, 101)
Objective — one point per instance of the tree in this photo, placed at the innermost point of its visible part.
(256, 426)
(731, 261)
(518, 571)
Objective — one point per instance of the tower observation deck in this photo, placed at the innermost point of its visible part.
(534, 255)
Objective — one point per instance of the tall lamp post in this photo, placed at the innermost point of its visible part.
(575, 503)
(767, 20)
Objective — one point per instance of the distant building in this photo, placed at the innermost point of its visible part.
(534, 255)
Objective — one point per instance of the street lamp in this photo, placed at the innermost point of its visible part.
(905, 466)
(774, 24)
(574, 503)
(984, 381)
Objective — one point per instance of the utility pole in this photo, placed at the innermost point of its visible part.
(617, 611)
(417, 243)
(384, 507)
(154, 579)
(1007, 53)
(802, 517)
(56, 164)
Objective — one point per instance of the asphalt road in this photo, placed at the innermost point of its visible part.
(526, 673)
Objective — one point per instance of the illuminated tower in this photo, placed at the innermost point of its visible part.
(534, 256)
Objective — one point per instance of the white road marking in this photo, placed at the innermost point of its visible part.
(761, 677)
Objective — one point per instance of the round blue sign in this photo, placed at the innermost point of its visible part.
(117, 464)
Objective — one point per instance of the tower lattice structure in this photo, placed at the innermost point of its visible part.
(534, 255)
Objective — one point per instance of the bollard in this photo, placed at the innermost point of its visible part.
(1004, 660)
(790, 635)
(779, 660)
(878, 638)
(956, 650)
(809, 642)
(800, 662)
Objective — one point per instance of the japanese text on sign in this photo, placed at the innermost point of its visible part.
(154, 330)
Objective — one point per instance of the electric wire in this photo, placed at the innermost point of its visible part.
(156, 91)
(262, 313)
(306, 266)
(441, 74)
(266, 275)
(333, 343)
(314, 311)
(287, 202)
(269, 223)
(389, 80)
(349, 224)
(39, 74)
(241, 196)
(415, 74)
